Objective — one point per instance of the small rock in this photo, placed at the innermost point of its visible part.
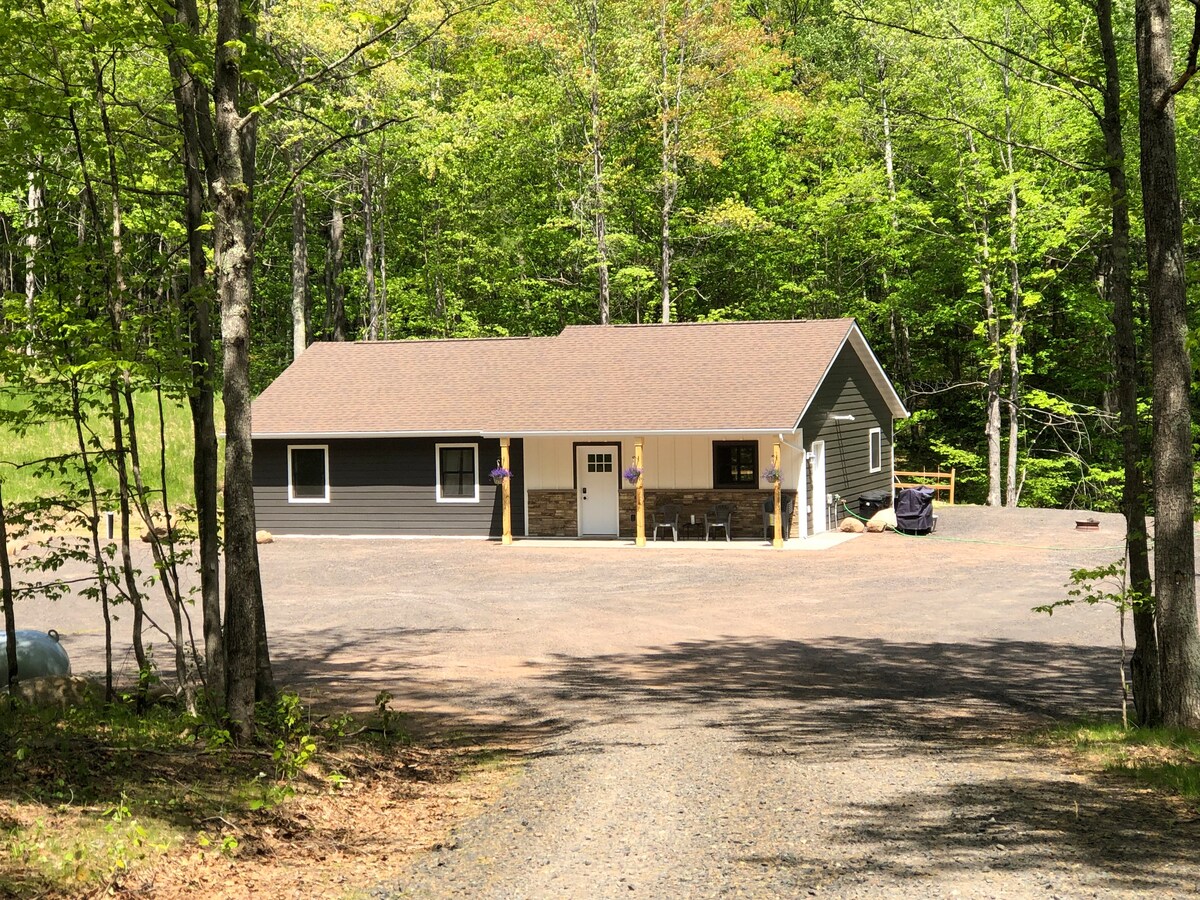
(264, 537)
(851, 526)
(159, 530)
(882, 521)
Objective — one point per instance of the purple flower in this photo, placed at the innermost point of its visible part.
(632, 474)
(500, 472)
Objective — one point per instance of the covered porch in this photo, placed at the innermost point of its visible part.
(609, 487)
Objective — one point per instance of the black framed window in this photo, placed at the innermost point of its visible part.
(735, 464)
(456, 472)
(308, 474)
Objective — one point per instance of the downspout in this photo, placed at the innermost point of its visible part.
(802, 504)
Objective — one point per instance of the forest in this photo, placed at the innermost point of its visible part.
(191, 193)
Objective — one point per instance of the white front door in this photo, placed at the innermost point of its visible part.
(817, 494)
(599, 480)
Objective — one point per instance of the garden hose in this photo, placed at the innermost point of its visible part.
(951, 540)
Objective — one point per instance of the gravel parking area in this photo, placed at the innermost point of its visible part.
(742, 724)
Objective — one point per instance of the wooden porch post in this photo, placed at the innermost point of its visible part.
(639, 536)
(506, 494)
(777, 541)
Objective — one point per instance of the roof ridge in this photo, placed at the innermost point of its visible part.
(722, 324)
(453, 340)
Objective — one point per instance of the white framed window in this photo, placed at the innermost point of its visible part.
(457, 473)
(308, 473)
(875, 449)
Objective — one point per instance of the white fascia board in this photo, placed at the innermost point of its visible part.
(306, 435)
(313, 435)
(639, 432)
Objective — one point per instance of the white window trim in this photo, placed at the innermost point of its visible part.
(871, 437)
(292, 498)
(437, 483)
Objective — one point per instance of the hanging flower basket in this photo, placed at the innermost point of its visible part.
(632, 474)
(772, 475)
(499, 474)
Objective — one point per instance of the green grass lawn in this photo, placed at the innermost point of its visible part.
(1164, 758)
(55, 436)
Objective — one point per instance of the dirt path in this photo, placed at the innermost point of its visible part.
(741, 724)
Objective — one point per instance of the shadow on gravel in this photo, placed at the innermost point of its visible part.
(346, 669)
(1129, 840)
(779, 693)
(843, 699)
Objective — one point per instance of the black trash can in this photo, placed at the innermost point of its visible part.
(788, 502)
(869, 504)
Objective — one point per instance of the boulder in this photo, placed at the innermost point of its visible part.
(851, 525)
(264, 537)
(16, 548)
(884, 520)
(57, 691)
(160, 530)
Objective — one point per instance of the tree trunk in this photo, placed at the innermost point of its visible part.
(369, 246)
(599, 223)
(383, 298)
(335, 291)
(199, 156)
(98, 558)
(896, 323)
(234, 265)
(1144, 663)
(1174, 550)
(670, 109)
(34, 202)
(6, 596)
(300, 304)
(992, 329)
(1014, 297)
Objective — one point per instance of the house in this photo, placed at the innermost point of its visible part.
(399, 437)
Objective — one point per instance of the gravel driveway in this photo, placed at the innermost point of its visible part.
(751, 724)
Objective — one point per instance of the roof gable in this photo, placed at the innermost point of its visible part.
(590, 379)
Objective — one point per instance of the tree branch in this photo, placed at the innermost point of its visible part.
(1190, 70)
(341, 139)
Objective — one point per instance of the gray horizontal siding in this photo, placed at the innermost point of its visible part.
(383, 486)
(848, 389)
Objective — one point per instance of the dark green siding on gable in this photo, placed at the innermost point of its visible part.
(384, 486)
(848, 389)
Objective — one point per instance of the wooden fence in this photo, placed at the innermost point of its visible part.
(939, 481)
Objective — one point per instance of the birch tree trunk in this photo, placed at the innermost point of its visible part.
(994, 350)
(368, 244)
(670, 108)
(599, 223)
(1174, 550)
(896, 322)
(300, 301)
(33, 211)
(1014, 294)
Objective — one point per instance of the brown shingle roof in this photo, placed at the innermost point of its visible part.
(736, 376)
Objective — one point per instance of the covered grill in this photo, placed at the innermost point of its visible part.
(914, 510)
